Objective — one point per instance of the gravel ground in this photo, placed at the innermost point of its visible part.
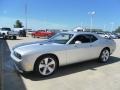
(89, 75)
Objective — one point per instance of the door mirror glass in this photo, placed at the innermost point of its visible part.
(78, 42)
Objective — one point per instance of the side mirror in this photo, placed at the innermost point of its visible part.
(78, 42)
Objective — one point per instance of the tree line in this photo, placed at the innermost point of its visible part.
(117, 30)
(18, 24)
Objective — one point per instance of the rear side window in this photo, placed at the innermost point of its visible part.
(92, 38)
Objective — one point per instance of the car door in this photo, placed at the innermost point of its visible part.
(85, 50)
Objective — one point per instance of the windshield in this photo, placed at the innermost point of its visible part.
(61, 38)
(6, 29)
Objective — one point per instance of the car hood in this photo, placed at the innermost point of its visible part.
(34, 47)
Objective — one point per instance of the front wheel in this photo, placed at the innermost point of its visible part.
(4, 36)
(104, 56)
(46, 66)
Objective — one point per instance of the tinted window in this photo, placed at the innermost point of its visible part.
(84, 39)
(6, 29)
(92, 38)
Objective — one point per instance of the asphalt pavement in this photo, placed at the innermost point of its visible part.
(10, 79)
(1, 60)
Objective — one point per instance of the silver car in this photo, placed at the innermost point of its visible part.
(62, 49)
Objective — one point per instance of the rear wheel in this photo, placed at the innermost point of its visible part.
(33, 36)
(14, 37)
(104, 56)
(46, 66)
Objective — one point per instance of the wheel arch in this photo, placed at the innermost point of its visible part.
(43, 55)
(100, 59)
(108, 48)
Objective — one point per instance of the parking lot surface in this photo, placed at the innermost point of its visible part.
(89, 75)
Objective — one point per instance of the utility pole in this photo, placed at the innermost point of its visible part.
(91, 19)
(112, 24)
(104, 28)
(26, 11)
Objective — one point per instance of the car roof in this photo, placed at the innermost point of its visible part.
(77, 33)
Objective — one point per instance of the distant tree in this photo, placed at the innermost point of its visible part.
(117, 30)
(18, 24)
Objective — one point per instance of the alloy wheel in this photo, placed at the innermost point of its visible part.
(47, 66)
(105, 55)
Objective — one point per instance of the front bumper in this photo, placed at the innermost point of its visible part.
(17, 63)
(21, 65)
(18, 68)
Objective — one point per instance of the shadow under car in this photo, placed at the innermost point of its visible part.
(71, 69)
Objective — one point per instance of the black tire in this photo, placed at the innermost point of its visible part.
(39, 70)
(33, 36)
(14, 37)
(104, 56)
(4, 36)
(9, 37)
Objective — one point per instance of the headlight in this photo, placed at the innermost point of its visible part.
(17, 55)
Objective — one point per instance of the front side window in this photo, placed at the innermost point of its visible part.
(61, 38)
(84, 39)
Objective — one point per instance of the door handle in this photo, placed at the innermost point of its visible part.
(91, 45)
(75, 46)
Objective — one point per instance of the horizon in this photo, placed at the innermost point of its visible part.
(62, 14)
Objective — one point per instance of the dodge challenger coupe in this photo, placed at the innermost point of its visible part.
(62, 49)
